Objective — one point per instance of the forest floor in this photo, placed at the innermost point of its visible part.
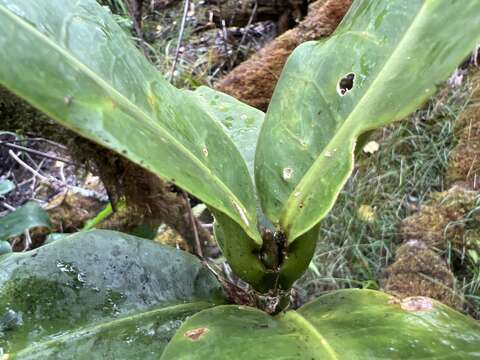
(394, 196)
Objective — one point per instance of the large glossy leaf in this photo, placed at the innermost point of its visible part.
(396, 52)
(347, 325)
(71, 60)
(98, 295)
(25, 217)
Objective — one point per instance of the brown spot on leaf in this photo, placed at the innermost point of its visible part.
(417, 303)
(196, 334)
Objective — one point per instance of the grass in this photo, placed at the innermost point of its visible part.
(391, 183)
(161, 33)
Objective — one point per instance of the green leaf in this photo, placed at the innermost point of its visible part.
(398, 52)
(241, 121)
(25, 217)
(348, 324)
(99, 295)
(102, 87)
(6, 186)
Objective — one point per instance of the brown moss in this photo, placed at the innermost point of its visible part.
(69, 211)
(418, 271)
(168, 236)
(253, 81)
(464, 163)
(440, 221)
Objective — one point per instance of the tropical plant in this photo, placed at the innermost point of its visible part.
(267, 179)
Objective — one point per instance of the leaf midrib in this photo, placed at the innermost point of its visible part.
(304, 326)
(291, 206)
(128, 104)
(86, 331)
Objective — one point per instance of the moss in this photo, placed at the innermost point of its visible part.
(464, 165)
(441, 221)
(69, 211)
(418, 271)
(168, 236)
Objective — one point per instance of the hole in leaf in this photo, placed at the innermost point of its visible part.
(345, 84)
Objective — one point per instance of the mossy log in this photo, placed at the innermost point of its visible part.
(253, 81)
(418, 271)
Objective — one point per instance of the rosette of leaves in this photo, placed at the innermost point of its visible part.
(268, 179)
